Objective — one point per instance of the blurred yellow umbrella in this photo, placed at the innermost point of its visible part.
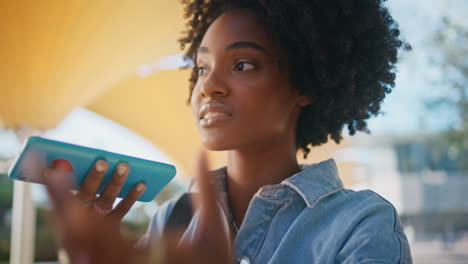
(57, 55)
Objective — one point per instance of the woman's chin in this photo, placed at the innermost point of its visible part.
(216, 145)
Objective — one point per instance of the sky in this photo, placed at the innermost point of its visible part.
(404, 109)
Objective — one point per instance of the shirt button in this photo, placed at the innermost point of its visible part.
(244, 260)
(280, 193)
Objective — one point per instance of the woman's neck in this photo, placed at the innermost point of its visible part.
(250, 169)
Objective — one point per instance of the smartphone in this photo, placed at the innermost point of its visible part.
(77, 161)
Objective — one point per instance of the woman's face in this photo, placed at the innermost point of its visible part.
(242, 97)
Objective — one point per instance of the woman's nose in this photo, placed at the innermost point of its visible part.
(213, 86)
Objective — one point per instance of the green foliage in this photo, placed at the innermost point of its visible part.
(46, 245)
(452, 42)
(6, 191)
(46, 249)
(6, 197)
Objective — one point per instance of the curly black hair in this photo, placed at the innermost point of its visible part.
(341, 54)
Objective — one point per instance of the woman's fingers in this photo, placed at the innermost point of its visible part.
(90, 186)
(93, 181)
(33, 166)
(88, 236)
(58, 185)
(112, 189)
(124, 206)
(65, 205)
(212, 238)
(206, 201)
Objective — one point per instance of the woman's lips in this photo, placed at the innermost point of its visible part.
(213, 118)
(213, 113)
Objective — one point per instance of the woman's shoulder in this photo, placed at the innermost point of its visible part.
(364, 202)
(356, 206)
(363, 197)
(369, 224)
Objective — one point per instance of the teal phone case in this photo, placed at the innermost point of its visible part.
(154, 174)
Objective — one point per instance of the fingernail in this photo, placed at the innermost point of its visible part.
(121, 169)
(100, 166)
(140, 187)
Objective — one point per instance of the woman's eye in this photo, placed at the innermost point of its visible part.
(201, 71)
(243, 66)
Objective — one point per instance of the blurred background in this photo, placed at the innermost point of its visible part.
(105, 74)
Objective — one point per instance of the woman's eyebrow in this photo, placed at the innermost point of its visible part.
(238, 45)
(246, 44)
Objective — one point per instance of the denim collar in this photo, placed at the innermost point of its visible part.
(315, 182)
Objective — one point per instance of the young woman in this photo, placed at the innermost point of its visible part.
(270, 78)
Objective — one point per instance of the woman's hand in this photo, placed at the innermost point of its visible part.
(88, 228)
(103, 204)
(211, 243)
(91, 237)
(87, 194)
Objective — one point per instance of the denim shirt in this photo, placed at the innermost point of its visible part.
(309, 218)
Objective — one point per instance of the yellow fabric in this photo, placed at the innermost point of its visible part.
(56, 55)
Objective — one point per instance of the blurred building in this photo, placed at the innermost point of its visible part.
(421, 177)
(434, 188)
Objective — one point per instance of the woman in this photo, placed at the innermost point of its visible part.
(271, 78)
